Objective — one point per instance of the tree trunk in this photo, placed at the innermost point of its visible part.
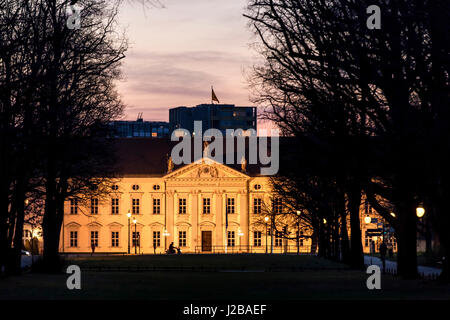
(356, 259)
(407, 240)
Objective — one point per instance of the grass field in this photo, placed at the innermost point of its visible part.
(318, 279)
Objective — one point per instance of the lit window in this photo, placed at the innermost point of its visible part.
(74, 238)
(182, 239)
(156, 239)
(156, 206)
(115, 239)
(115, 206)
(277, 206)
(231, 239)
(278, 239)
(94, 238)
(136, 239)
(206, 205)
(135, 206)
(73, 206)
(257, 238)
(94, 206)
(257, 206)
(230, 205)
(182, 206)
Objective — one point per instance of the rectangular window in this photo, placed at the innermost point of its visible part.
(206, 205)
(156, 239)
(257, 238)
(115, 239)
(135, 206)
(156, 206)
(231, 239)
(94, 238)
(114, 206)
(278, 239)
(136, 239)
(94, 206)
(257, 206)
(277, 206)
(182, 206)
(182, 239)
(74, 238)
(73, 206)
(230, 205)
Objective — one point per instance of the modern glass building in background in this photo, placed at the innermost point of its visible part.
(218, 116)
(140, 128)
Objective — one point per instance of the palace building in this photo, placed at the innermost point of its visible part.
(202, 207)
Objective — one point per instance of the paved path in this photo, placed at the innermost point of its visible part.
(393, 265)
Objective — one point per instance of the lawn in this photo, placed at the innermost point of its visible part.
(318, 279)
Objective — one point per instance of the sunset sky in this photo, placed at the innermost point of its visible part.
(177, 52)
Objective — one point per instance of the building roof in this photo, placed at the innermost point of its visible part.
(146, 157)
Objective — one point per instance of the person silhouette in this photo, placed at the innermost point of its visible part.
(171, 248)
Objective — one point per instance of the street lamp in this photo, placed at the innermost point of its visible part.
(240, 234)
(129, 216)
(367, 219)
(420, 211)
(266, 219)
(324, 221)
(135, 236)
(393, 214)
(165, 234)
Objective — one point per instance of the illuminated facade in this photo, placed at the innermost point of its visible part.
(201, 207)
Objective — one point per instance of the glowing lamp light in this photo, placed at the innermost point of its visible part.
(298, 212)
(420, 212)
(367, 219)
(393, 214)
(129, 214)
(134, 221)
(325, 221)
(266, 219)
(240, 233)
(165, 233)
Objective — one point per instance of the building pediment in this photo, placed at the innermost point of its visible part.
(205, 169)
(115, 224)
(94, 224)
(73, 225)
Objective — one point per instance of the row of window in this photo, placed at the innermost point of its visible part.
(73, 239)
(157, 187)
(136, 187)
(182, 239)
(182, 206)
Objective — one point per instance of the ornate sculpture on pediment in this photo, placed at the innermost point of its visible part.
(243, 164)
(205, 149)
(207, 172)
(170, 165)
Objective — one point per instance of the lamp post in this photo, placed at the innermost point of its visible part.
(135, 236)
(129, 216)
(165, 234)
(266, 219)
(240, 234)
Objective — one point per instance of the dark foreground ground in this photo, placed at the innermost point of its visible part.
(236, 277)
